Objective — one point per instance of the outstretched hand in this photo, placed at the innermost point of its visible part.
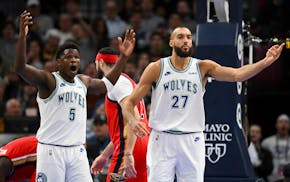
(25, 21)
(273, 53)
(126, 47)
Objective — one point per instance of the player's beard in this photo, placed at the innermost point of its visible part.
(182, 53)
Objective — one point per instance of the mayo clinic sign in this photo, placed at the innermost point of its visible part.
(217, 136)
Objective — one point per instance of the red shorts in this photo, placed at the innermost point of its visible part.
(139, 154)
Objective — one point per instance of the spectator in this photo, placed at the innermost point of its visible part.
(149, 19)
(135, 21)
(261, 158)
(157, 47)
(174, 21)
(92, 98)
(142, 61)
(131, 70)
(13, 108)
(98, 142)
(7, 45)
(28, 100)
(183, 9)
(127, 8)
(64, 31)
(85, 44)
(114, 23)
(13, 85)
(34, 54)
(41, 22)
(279, 146)
(52, 40)
(101, 34)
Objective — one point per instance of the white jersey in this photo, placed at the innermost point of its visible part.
(177, 99)
(63, 114)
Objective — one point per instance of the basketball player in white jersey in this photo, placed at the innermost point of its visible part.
(176, 143)
(61, 155)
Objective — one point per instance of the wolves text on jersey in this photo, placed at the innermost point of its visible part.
(180, 84)
(71, 97)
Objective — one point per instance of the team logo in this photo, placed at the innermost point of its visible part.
(196, 139)
(214, 152)
(41, 177)
(167, 73)
(62, 85)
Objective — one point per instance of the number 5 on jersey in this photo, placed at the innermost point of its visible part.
(72, 113)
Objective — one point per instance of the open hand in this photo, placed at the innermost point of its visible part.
(98, 164)
(25, 21)
(129, 169)
(273, 53)
(127, 46)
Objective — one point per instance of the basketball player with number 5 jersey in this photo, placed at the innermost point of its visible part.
(61, 155)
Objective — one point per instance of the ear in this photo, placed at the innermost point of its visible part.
(171, 43)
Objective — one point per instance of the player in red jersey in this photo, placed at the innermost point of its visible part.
(128, 152)
(18, 160)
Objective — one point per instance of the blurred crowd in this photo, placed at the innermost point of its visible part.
(96, 24)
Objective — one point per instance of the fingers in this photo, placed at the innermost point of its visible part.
(141, 130)
(119, 41)
(127, 33)
(26, 18)
(95, 170)
(130, 172)
(273, 51)
(130, 34)
(281, 46)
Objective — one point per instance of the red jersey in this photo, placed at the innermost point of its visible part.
(22, 153)
(118, 132)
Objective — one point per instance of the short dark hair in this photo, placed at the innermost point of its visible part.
(108, 50)
(67, 45)
(100, 119)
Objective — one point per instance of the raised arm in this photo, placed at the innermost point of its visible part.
(29, 73)
(149, 76)
(223, 73)
(126, 48)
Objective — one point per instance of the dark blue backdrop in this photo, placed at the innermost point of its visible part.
(227, 157)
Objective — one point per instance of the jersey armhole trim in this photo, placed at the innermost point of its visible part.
(199, 75)
(54, 91)
(161, 72)
(84, 86)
